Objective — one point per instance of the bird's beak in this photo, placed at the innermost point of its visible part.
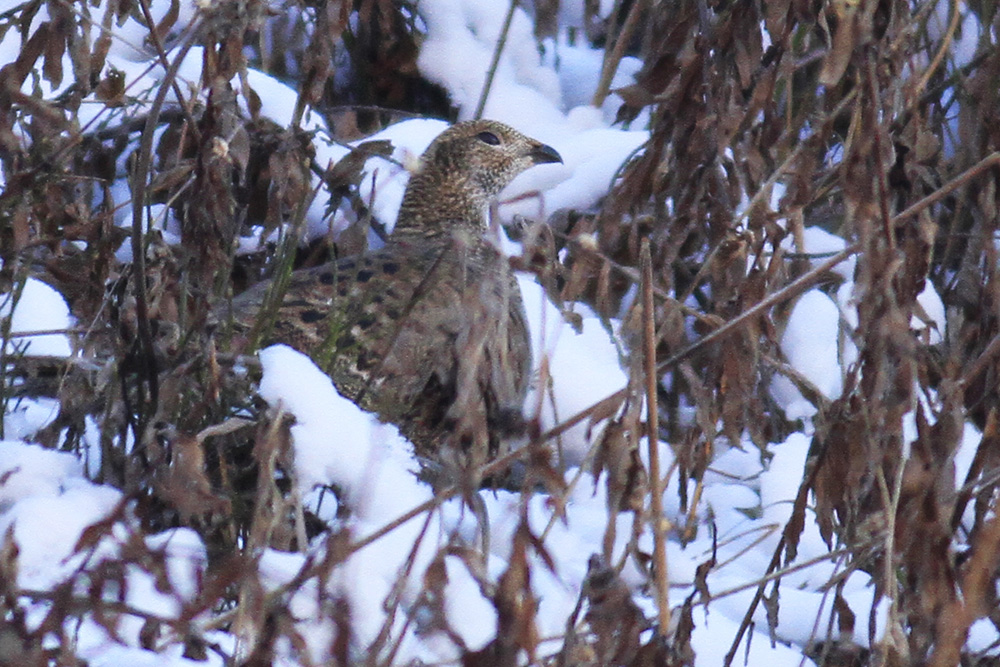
(545, 154)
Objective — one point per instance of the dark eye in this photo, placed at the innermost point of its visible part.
(488, 138)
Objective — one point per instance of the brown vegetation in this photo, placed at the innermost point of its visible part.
(856, 108)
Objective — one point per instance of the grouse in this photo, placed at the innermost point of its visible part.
(429, 331)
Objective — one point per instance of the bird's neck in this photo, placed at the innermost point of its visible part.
(436, 204)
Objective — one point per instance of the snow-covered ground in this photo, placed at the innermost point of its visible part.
(47, 501)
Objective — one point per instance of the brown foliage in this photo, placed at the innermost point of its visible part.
(847, 105)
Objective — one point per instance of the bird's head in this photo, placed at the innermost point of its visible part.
(464, 169)
(487, 153)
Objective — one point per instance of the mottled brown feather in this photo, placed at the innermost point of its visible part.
(429, 332)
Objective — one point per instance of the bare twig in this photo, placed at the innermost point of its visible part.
(942, 48)
(987, 162)
(161, 54)
(491, 72)
(658, 520)
(890, 501)
(139, 186)
(613, 58)
(793, 289)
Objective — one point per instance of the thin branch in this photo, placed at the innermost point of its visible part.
(990, 160)
(161, 54)
(491, 72)
(942, 49)
(657, 518)
(613, 58)
(143, 166)
(793, 289)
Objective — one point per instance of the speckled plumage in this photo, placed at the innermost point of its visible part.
(428, 332)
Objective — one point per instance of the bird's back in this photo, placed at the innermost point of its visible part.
(431, 336)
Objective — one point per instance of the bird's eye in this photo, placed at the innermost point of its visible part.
(488, 138)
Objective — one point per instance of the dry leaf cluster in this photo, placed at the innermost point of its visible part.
(856, 108)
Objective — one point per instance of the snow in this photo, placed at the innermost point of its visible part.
(47, 528)
(966, 38)
(48, 499)
(374, 470)
(530, 95)
(811, 344)
(571, 13)
(591, 160)
(36, 307)
(46, 505)
(23, 419)
(933, 306)
(816, 341)
(31, 470)
(574, 385)
(336, 443)
(821, 243)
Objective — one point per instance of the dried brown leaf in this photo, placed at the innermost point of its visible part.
(613, 616)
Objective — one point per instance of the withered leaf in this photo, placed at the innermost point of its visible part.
(55, 47)
(111, 89)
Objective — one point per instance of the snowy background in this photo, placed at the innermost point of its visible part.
(86, 574)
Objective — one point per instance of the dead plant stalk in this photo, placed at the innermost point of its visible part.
(657, 518)
(491, 72)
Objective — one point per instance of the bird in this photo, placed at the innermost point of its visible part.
(429, 331)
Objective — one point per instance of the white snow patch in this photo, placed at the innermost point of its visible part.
(337, 443)
(818, 241)
(811, 344)
(584, 367)
(38, 308)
